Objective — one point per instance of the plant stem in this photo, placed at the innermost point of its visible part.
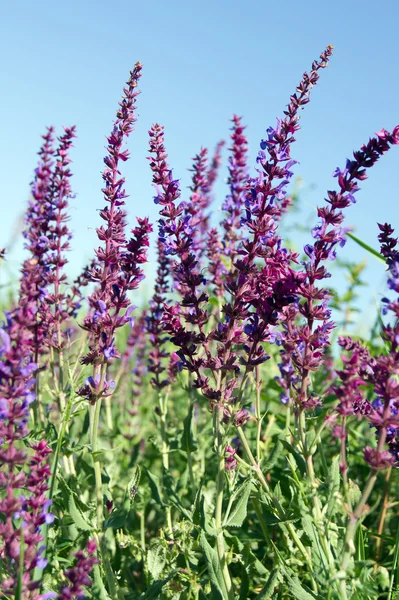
(94, 419)
(384, 512)
(349, 546)
(116, 593)
(163, 407)
(257, 413)
(316, 500)
(279, 508)
(217, 420)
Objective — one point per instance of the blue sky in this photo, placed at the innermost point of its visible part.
(65, 63)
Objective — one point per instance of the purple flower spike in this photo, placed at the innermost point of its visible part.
(118, 266)
(78, 575)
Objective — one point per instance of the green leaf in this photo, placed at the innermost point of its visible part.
(354, 492)
(273, 458)
(156, 559)
(133, 485)
(118, 518)
(239, 511)
(199, 515)
(154, 591)
(99, 590)
(333, 485)
(294, 585)
(298, 458)
(369, 249)
(77, 516)
(213, 564)
(188, 442)
(310, 530)
(269, 586)
(155, 488)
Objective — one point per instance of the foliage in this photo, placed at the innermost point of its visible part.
(228, 441)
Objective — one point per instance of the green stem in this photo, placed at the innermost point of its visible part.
(316, 500)
(54, 469)
(349, 546)
(218, 416)
(94, 419)
(280, 511)
(115, 592)
(163, 407)
(108, 413)
(257, 413)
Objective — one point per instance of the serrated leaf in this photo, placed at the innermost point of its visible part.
(269, 586)
(239, 511)
(213, 565)
(156, 559)
(77, 516)
(354, 492)
(188, 442)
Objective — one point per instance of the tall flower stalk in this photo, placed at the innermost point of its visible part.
(117, 271)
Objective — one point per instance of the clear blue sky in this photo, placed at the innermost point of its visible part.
(65, 63)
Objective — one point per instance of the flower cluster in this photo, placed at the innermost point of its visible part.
(24, 476)
(78, 575)
(306, 342)
(58, 303)
(118, 266)
(35, 269)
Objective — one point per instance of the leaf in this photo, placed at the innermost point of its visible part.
(213, 564)
(297, 590)
(269, 586)
(310, 530)
(154, 591)
(239, 511)
(354, 492)
(99, 590)
(333, 485)
(369, 249)
(298, 458)
(156, 559)
(77, 516)
(133, 485)
(118, 518)
(204, 518)
(188, 442)
(273, 458)
(155, 489)
(173, 498)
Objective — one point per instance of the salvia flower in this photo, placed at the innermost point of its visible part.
(78, 576)
(24, 475)
(119, 261)
(35, 269)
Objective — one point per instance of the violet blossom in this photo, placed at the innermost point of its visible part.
(119, 262)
